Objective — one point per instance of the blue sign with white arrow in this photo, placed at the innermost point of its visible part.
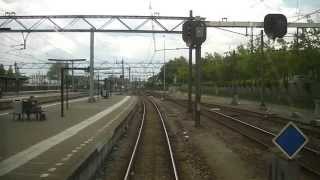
(290, 140)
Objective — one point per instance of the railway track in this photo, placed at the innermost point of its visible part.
(279, 120)
(152, 156)
(269, 122)
(309, 158)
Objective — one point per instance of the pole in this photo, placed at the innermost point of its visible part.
(24, 43)
(122, 79)
(164, 63)
(67, 90)
(198, 89)
(72, 76)
(297, 39)
(251, 41)
(17, 78)
(91, 93)
(282, 168)
(235, 98)
(129, 77)
(190, 76)
(262, 105)
(110, 86)
(190, 81)
(61, 91)
(98, 84)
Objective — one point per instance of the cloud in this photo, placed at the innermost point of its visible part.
(9, 1)
(139, 47)
(302, 3)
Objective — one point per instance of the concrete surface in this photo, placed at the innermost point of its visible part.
(52, 149)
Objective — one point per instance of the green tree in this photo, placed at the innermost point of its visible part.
(280, 61)
(182, 74)
(171, 69)
(2, 70)
(54, 71)
(10, 71)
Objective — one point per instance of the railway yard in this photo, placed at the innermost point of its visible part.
(151, 138)
(95, 96)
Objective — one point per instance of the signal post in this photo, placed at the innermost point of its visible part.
(194, 33)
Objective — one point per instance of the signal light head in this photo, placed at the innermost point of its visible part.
(187, 32)
(275, 25)
(194, 33)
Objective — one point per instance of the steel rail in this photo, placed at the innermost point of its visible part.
(131, 162)
(168, 141)
(263, 131)
(305, 150)
(265, 115)
(250, 125)
(126, 177)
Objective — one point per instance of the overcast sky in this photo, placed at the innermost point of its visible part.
(136, 47)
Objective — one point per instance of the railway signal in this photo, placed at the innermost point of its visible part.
(194, 33)
(200, 32)
(187, 33)
(275, 25)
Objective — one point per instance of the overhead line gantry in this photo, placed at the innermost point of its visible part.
(24, 25)
(29, 24)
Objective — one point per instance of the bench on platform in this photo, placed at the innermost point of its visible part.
(21, 108)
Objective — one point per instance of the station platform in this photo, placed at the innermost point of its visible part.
(25, 93)
(11, 98)
(289, 112)
(6, 102)
(56, 147)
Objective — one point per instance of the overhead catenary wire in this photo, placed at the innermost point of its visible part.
(38, 36)
(306, 16)
(19, 50)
